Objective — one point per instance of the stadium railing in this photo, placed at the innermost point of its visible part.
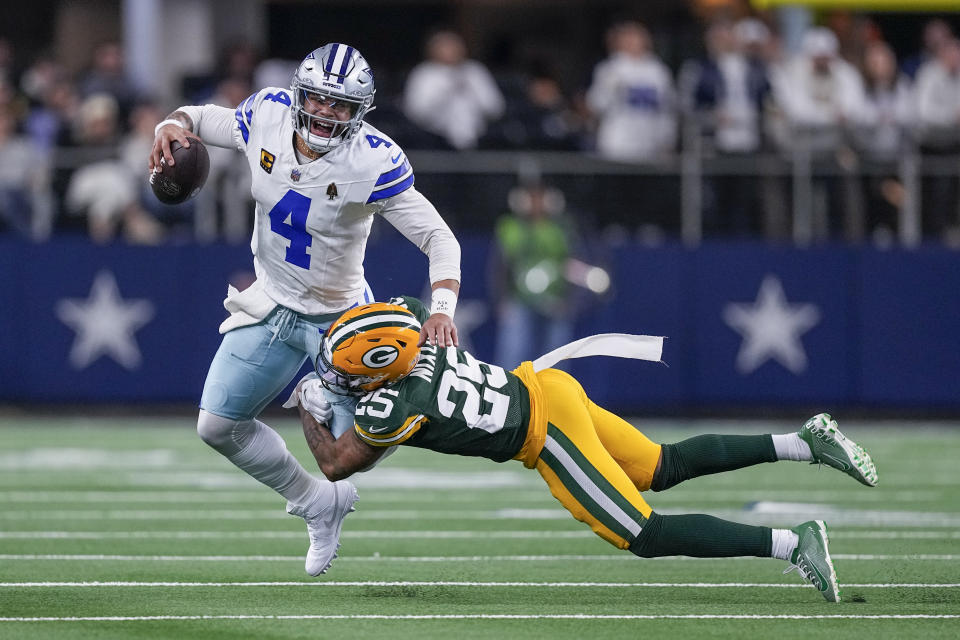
(661, 197)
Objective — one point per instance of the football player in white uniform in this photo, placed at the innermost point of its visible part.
(320, 173)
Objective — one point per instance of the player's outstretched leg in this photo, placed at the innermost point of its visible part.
(819, 441)
(703, 536)
(708, 454)
(830, 447)
(324, 526)
(812, 559)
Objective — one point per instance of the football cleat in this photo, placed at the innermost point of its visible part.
(832, 448)
(812, 560)
(324, 527)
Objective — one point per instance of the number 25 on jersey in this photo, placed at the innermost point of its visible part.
(468, 380)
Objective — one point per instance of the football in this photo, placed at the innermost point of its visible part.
(180, 182)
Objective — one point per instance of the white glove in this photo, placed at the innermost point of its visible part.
(309, 395)
(313, 400)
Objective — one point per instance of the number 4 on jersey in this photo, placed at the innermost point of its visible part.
(295, 207)
(376, 141)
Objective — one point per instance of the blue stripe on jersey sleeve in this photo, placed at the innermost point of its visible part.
(388, 192)
(245, 117)
(393, 174)
(243, 127)
(248, 109)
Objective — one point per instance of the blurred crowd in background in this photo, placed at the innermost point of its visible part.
(74, 147)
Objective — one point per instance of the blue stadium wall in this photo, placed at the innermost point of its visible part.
(748, 325)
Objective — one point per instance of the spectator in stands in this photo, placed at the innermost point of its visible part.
(534, 242)
(880, 138)
(42, 73)
(818, 91)
(103, 189)
(821, 96)
(224, 206)
(238, 61)
(107, 76)
(54, 103)
(855, 32)
(272, 72)
(7, 96)
(762, 49)
(23, 182)
(726, 93)
(134, 146)
(936, 32)
(633, 98)
(542, 118)
(450, 95)
(888, 103)
(7, 75)
(937, 93)
(10, 99)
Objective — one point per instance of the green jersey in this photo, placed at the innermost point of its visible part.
(450, 402)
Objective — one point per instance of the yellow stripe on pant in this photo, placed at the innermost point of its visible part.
(595, 462)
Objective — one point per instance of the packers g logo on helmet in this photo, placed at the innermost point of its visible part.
(369, 347)
(380, 357)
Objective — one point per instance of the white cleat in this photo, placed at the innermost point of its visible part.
(324, 526)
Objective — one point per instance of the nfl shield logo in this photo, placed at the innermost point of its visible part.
(295, 175)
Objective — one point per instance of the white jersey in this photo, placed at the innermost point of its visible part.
(634, 99)
(313, 220)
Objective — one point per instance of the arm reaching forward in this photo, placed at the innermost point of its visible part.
(341, 458)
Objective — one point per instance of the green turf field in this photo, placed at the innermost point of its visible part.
(133, 528)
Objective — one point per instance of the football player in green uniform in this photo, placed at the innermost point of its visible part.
(596, 463)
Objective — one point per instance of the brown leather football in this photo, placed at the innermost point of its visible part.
(180, 182)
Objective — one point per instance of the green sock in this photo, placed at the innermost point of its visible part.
(700, 536)
(706, 454)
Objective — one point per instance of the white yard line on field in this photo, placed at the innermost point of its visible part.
(297, 535)
(410, 535)
(257, 494)
(421, 559)
(143, 497)
(853, 534)
(155, 469)
(493, 616)
(442, 583)
(769, 513)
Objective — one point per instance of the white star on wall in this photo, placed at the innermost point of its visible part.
(105, 324)
(771, 328)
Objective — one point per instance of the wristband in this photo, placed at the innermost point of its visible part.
(443, 301)
(157, 128)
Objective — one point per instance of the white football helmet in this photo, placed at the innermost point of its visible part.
(335, 73)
